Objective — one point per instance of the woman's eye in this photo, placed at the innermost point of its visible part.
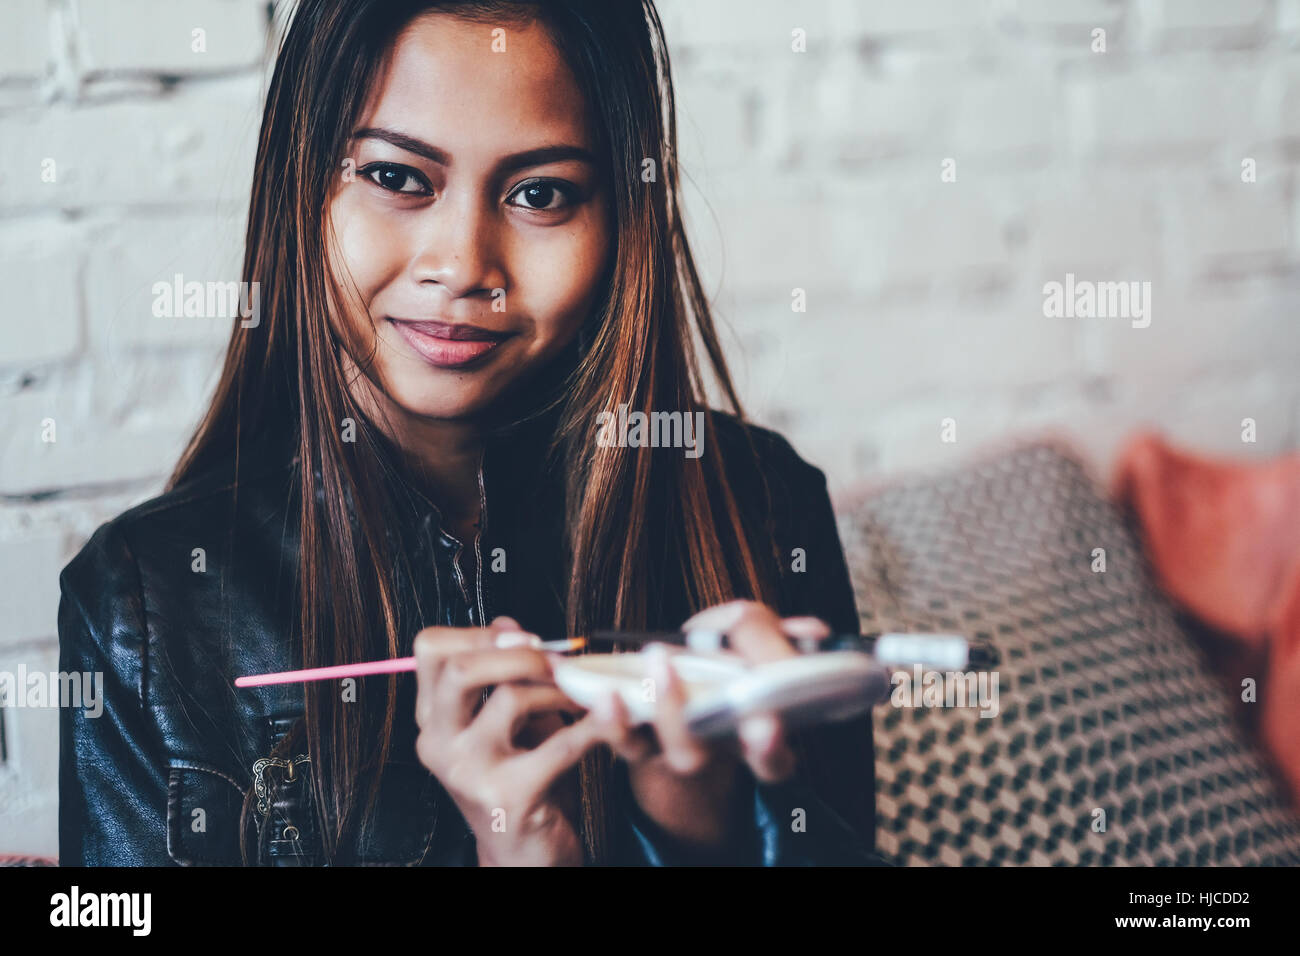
(542, 195)
(397, 179)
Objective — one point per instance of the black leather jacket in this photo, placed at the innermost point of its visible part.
(159, 778)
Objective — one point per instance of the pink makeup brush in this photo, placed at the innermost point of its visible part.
(395, 666)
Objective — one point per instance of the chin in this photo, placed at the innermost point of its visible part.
(444, 403)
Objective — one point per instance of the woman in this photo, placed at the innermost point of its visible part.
(465, 231)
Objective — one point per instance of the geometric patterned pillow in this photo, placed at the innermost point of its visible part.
(1112, 743)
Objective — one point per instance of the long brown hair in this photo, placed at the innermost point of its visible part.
(287, 375)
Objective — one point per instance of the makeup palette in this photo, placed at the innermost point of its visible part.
(721, 690)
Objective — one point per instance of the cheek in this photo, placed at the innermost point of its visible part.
(559, 275)
(361, 254)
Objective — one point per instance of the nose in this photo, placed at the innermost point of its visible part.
(458, 249)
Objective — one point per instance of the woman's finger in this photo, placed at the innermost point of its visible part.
(753, 630)
(806, 632)
(432, 648)
(684, 752)
(508, 709)
(765, 748)
(536, 771)
(464, 677)
(434, 643)
(630, 741)
(813, 628)
(511, 634)
(719, 617)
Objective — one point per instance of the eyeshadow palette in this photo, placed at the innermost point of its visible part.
(721, 689)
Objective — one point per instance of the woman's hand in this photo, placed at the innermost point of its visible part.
(688, 786)
(510, 793)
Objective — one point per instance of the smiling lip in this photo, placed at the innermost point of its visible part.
(449, 345)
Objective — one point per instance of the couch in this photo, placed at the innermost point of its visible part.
(1114, 742)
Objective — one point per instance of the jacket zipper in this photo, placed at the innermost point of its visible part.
(478, 536)
(460, 575)
(478, 559)
(478, 553)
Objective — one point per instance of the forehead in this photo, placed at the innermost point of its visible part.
(444, 84)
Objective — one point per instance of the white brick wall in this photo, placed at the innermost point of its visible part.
(816, 170)
(112, 36)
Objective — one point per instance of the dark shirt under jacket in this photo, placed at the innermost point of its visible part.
(159, 778)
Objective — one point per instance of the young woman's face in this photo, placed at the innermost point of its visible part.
(471, 228)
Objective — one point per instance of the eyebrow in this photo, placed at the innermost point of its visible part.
(529, 157)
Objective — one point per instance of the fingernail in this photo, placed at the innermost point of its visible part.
(808, 627)
(518, 639)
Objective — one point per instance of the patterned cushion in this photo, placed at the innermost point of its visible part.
(1105, 703)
